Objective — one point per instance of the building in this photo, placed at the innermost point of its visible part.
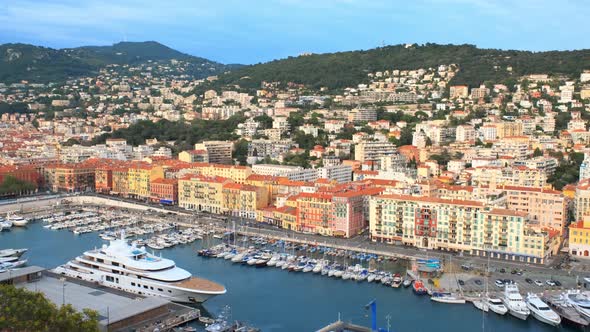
(294, 173)
(458, 91)
(546, 208)
(579, 234)
(164, 191)
(372, 151)
(201, 193)
(194, 156)
(456, 225)
(465, 133)
(362, 115)
(235, 173)
(243, 200)
(140, 176)
(219, 152)
(338, 173)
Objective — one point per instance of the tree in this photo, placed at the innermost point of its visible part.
(537, 152)
(23, 310)
(264, 120)
(14, 186)
(241, 151)
(70, 142)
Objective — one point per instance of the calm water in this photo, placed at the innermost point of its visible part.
(275, 300)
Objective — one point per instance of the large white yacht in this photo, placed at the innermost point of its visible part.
(580, 301)
(541, 310)
(514, 302)
(126, 267)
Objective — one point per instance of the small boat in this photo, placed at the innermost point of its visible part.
(371, 277)
(397, 280)
(541, 311)
(418, 288)
(496, 305)
(444, 297)
(189, 329)
(12, 265)
(407, 283)
(326, 269)
(362, 276)
(308, 267)
(12, 252)
(481, 305)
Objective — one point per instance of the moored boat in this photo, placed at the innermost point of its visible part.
(514, 302)
(445, 297)
(541, 311)
(418, 288)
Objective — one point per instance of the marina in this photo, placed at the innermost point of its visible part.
(355, 278)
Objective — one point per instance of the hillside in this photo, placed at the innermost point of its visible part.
(342, 69)
(40, 64)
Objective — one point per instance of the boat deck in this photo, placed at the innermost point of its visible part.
(200, 284)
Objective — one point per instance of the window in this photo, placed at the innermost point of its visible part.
(144, 286)
(160, 289)
(132, 284)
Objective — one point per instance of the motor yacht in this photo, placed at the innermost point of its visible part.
(514, 302)
(17, 220)
(541, 311)
(496, 305)
(132, 269)
(580, 301)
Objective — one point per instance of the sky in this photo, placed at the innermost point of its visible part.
(252, 31)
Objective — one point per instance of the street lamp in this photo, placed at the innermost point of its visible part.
(63, 292)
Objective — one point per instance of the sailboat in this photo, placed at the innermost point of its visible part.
(447, 297)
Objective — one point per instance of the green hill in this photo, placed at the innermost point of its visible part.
(40, 64)
(342, 69)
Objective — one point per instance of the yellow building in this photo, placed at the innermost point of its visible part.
(271, 183)
(235, 173)
(579, 237)
(201, 193)
(139, 177)
(243, 200)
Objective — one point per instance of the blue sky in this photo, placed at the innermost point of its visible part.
(251, 31)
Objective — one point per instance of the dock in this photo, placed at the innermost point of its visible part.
(340, 326)
(117, 310)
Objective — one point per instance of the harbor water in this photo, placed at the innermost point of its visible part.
(276, 300)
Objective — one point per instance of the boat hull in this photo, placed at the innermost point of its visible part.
(519, 314)
(546, 320)
(148, 288)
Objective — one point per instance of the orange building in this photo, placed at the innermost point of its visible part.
(164, 191)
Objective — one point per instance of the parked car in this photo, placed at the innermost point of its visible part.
(477, 282)
(461, 282)
(502, 270)
(557, 283)
(538, 283)
(550, 283)
(528, 280)
(499, 283)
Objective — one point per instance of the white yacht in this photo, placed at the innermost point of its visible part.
(444, 297)
(514, 302)
(580, 301)
(496, 305)
(541, 311)
(126, 267)
(17, 220)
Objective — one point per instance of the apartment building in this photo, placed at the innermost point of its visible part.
(294, 173)
(218, 152)
(164, 191)
(579, 238)
(194, 156)
(338, 173)
(201, 193)
(456, 225)
(372, 151)
(545, 208)
(243, 200)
